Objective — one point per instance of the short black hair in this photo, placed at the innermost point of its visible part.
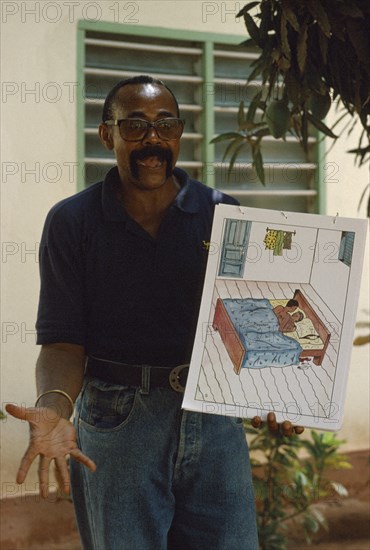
(292, 303)
(140, 79)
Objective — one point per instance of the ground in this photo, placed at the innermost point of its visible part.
(28, 523)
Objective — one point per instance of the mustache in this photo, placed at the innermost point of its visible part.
(152, 151)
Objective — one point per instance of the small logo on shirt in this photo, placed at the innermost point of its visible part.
(210, 247)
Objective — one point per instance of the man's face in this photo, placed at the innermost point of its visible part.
(148, 163)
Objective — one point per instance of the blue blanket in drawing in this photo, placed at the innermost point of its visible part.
(258, 329)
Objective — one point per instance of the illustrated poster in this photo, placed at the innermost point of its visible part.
(277, 316)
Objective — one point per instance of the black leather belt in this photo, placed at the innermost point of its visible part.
(141, 376)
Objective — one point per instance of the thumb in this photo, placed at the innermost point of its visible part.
(16, 411)
(31, 414)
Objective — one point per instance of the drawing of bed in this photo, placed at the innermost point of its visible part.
(250, 332)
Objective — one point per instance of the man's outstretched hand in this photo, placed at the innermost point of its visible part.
(286, 428)
(52, 437)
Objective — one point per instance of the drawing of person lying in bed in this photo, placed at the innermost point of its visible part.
(288, 316)
(287, 321)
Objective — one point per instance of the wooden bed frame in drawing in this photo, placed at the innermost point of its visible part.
(235, 347)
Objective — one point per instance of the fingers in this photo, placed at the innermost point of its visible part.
(272, 424)
(256, 422)
(62, 471)
(43, 471)
(62, 475)
(83, 459)
(25, 464)
(286, 428)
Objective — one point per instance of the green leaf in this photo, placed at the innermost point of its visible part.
(285, 47)
(360, 151)
(225, 136)
(323, 43)
(290, 15)
(253, 106)
(292, 87)
(234, 157)
(249, 127)
(363, 195)
(304, 131)
(252, 29)
(247, 7)
(231, 147)
(311, 524)
(265, 23)
(319, 516)
(268, 69)
(339, 489)
(278, 117)
(302, 47)
(241, 115)
(330, 439)
(291, 452)
(258, 164)
(319, 14)
(260, 488)
(256, 71)
(301, 479)
(320, 125)
(261, 133)
(313, 79)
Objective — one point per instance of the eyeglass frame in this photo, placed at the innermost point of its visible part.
(116, 122)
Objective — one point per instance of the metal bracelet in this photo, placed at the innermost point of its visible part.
(61, 392)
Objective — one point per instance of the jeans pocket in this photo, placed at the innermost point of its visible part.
(106, 407)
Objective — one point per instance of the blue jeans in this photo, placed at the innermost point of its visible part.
(166, 479)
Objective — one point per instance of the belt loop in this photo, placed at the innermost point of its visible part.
(145, 380)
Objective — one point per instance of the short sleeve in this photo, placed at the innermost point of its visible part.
(61, 312)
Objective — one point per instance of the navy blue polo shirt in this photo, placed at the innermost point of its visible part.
(108, 285)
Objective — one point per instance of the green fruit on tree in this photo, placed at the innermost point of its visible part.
(319, 105)
(277, 117)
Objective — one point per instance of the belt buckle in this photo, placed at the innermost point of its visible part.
(174, 378)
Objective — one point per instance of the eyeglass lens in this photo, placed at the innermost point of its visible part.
(135, 129)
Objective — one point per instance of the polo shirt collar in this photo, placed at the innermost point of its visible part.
(112, 208)
(186, 199)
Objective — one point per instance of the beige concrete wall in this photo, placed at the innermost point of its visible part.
(39, 143)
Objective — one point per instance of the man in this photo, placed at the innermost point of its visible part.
(122, 267)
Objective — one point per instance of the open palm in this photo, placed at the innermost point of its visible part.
(51, 437)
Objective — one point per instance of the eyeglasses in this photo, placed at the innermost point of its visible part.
(135, 129)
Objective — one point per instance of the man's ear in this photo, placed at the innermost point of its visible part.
(106, 136)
